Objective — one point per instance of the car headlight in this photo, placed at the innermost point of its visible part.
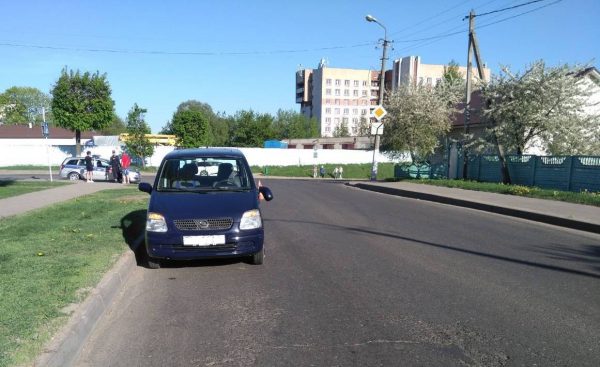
(251, 220)
(156, 223)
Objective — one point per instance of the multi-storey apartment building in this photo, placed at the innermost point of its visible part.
(409, 69)
(336, 96)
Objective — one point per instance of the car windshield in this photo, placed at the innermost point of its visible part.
(204, 174)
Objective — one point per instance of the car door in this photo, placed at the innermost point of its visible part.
(100, 167)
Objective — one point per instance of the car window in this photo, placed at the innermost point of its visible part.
(206, 173)
(72, 162)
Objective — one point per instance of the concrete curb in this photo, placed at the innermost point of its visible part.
(538, 217)
(64, 347)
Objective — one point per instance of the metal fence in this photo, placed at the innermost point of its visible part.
(566, 173)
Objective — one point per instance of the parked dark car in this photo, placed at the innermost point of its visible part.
(192, 215)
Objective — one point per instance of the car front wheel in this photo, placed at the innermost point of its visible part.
(74, 176)
(258, 258)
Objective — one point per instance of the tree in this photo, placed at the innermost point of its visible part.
(137, 128)
(116, 126)
(21, 105)
(218, 134)
(364, 127)
(452, 74)
(417, 117)
(82, 102)
(250, 129)
(341, 130)
(544, 106)
(294, 125)
(191, 127)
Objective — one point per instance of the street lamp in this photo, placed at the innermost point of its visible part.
(371, 18)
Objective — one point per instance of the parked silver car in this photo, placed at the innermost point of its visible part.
(74, 169)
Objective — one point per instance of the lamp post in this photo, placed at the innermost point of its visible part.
(371, 18)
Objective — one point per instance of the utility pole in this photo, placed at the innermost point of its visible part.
(473, 48)
(381, 91)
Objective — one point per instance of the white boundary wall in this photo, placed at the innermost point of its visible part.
(36, 152)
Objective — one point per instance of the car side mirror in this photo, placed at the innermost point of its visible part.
(145, 187)
(266, 193)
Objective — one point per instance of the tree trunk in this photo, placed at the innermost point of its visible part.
(77, 143)
(503, 165)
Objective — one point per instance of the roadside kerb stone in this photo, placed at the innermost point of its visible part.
(591, 224)
(64, 347)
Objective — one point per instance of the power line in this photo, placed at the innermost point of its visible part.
(509, 8)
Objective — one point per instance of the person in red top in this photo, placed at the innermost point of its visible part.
(125, 163)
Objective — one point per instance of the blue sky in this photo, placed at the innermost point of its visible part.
(236, 54)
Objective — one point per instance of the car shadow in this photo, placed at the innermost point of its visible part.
(133, 226)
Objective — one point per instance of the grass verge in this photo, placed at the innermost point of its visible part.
(351, 171)
(587, 198)
(30, 168)
(52, 257)
(10, 188)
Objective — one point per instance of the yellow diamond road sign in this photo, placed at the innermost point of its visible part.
(379, 112)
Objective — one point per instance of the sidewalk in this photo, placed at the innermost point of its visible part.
(576, 216)
(22, 203)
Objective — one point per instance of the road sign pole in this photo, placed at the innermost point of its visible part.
(46, 133)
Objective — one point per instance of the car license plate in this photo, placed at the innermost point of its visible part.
(204, 240)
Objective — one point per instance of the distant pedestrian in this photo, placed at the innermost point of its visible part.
(115, 165)
(341, 172)
(89, 167)
(322, 171)
(335, 173)
(125, 163)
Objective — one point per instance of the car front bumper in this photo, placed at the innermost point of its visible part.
(170, 246)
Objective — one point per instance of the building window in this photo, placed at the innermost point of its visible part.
(438, 81)
(337, 92)
(346, 92)
(337, 111)
(355, 93)
(363, 112)
(355, 102)
(337, 102)
(336, 121)
(346, 102)
(346, 111)
(355, 111)
(328, 101)
(345, 120)
(356, 83)
(328, 91)
(364, 93)
(429, 81)
(355, 120)
(327, 129)
(338, 82)
(364, 83)
(328, 110)
(365, 102)
(328, 81)
(328, 120)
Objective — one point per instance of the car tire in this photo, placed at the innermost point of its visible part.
(258, 258)
(153, 263)
(74, 176)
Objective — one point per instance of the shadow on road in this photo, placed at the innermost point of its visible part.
(591, 249)
(586, 254)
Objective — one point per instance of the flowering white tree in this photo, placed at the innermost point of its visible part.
(544, 105)
(418, 115)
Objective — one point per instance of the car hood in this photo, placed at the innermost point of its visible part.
(191, 205)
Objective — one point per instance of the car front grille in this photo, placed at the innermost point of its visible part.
(203, 224)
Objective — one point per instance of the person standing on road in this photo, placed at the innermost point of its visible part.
(322, 172)
(341, 172)
(125, 163)
(115, 165)
(335, 173)
(89, 166)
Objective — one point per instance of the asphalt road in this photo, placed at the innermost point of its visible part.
(356, 278)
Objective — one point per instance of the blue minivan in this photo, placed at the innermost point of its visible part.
(196, 215)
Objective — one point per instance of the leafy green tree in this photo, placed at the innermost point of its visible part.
(82, 102)
(341, 130)
(364, 127)
(137, 128)
(250, 129)
(116, 127)
(452, 74)
(294, 125)
(191, 127)
(218, 133)
(21, 105)
(418, 116)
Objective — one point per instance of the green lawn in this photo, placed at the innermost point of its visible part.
(30, 168)
(10, 188)
(50, 258)
(351, 171)
(588, 198)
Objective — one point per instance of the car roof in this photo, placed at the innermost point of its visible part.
(205, 153)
